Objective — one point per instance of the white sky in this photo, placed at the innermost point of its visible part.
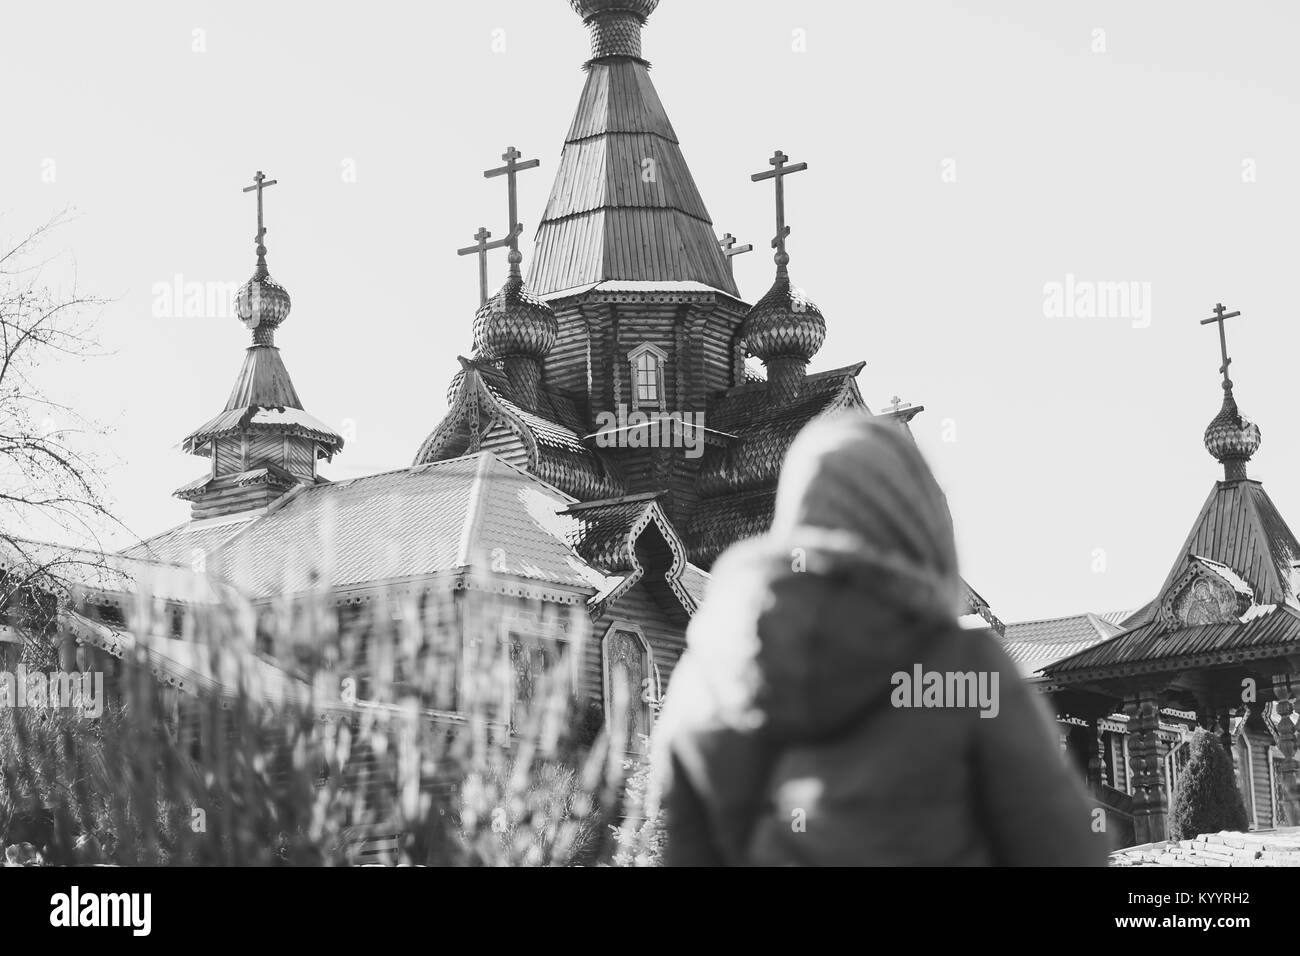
(1070, 434)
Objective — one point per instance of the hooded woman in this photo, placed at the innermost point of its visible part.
(794, 732)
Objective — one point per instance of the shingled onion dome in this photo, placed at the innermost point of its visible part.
(1232, 438)
(785, 330)
(454, 388)
(615, 25)
(519, 330)
(262, 303)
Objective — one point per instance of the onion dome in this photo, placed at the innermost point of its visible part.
(1232, 438)
(615, 25)
(514, 322)
(262, 303)
(454, 388)
(783, 324)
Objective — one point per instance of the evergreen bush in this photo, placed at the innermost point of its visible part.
(1207, 799)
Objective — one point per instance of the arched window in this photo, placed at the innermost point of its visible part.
(630, 684)
(647, 376)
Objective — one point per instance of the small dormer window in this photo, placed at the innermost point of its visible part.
(647, 376)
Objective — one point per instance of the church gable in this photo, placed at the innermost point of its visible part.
(1207, 593)
(631, 540)
(1239, 532)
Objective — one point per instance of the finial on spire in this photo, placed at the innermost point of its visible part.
(781, 170)
(1230, 437)
(511, 170)
(260, 182)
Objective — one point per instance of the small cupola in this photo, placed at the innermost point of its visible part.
(263, 443)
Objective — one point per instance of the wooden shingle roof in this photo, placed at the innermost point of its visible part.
(551, 436)
(764, 427)
(1269, 631)
(624, 204)
(1240, 528)
(1240, 534)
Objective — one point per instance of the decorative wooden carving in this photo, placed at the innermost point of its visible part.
(1284, 694)
(1146, 753)
(1097, 777)
(1204, 596)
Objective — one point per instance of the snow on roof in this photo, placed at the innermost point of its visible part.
(1232, 577)
(288, 416)
(637, 286)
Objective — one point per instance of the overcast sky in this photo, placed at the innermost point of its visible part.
(961, 162)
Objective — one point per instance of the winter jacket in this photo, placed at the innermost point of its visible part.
(794, 732)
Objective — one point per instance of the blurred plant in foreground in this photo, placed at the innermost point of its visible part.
(445, 729)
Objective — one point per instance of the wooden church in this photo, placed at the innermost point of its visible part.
(1216, 647)
(629, 310)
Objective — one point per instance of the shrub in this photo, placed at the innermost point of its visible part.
(1207, 799)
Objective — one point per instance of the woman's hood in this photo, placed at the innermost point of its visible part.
(801, 634)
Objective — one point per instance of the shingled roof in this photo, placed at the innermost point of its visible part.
(548, 440)
(738, 478)
(609, 533)
(450, 515)
(454, 515)
(1239, 538)
(1035, 644)
(1240, 528)
(764, 427)
(606, 219)
(192, 541)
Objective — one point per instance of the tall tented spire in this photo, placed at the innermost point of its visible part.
(1230, 437)
(784, 328)
(624, 205)
(263, 443)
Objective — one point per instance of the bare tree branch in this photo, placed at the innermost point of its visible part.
(49, 475)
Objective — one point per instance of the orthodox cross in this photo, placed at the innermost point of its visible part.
(895, 404)
(511, 170)
(1220, 316)
(481, 248)
(781, 171)
(731, 250)
(260, 182)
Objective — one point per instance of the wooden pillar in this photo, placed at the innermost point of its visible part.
(1223, 721)
(1097, 760)
(1146, 753)
(1284, 694)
